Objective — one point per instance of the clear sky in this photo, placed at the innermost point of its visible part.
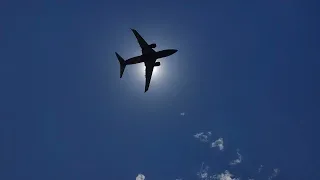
(246, 71)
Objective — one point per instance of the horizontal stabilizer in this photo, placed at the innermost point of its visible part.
(122, 64)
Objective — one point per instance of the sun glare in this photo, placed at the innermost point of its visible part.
(156, 71)
(159, 79)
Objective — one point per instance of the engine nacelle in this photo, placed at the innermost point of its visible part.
(157, 64)
(153, 45)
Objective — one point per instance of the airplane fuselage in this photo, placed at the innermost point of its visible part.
(150, 56)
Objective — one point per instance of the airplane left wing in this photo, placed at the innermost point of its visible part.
(149, 70)
(143, 44)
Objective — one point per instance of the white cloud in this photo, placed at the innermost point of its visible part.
(274, 174)
(140, 177)
(260, 168)
(238, 160)
(225, 176)
(203, 137)
(203, 173)
(183, 113)
(218, 143)
(198, 135)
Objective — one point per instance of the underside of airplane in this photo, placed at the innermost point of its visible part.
(149, 57)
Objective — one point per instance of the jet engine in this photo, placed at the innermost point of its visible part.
(157, 64)
(153, 45)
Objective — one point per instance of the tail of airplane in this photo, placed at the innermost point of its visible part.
(122, 64)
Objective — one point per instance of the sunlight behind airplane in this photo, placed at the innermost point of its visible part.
(149, 57)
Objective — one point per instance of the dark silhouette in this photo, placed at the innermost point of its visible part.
(149, 57)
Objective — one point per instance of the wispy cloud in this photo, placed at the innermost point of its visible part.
(203, 173)
(260, 168)
(218, 143)
(183, 113)
(238, 160)
(225, 176)
(274, 174)
(203, 137)
(140, 177)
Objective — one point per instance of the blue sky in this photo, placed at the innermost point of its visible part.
(246, 71)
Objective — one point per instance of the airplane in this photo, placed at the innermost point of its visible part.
(149, 57)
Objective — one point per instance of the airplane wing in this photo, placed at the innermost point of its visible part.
(148, 75)
(143, 44)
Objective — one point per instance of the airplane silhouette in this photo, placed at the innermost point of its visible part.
(149, 57)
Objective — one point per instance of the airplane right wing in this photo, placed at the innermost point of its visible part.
(143, 44)
(149, 70)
